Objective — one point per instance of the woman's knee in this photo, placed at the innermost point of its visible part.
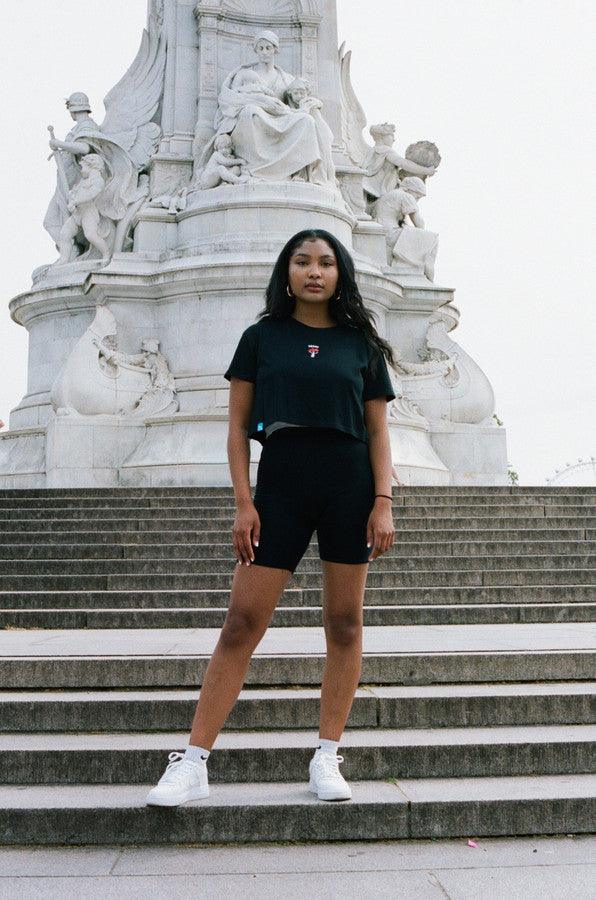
(343, 629)
(242, 628)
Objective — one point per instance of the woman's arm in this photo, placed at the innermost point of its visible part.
(247, 524)
(238, 446)
(380, 530)
(375, 419)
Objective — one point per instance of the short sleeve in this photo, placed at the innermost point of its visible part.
(244, 361)
(379, 384)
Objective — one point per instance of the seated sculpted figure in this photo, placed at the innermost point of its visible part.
(298, 96)
(223, 165)
(276, 139)
(407, 244)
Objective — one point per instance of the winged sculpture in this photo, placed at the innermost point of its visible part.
(100, 180)
(391, 183)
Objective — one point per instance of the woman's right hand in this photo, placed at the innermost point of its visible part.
(247, 520)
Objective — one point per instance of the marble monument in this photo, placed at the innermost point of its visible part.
(236, 125)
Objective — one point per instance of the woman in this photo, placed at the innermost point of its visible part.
(310, 382)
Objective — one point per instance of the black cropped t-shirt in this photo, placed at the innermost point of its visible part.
(308, 376)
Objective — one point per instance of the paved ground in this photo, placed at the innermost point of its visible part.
(562, 868)
(376, 639)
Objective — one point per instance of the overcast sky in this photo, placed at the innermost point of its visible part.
(504, 87)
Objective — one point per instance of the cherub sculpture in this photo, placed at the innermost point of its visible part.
(124, 142)
(408, 242)
(85, 205)
(222, 165)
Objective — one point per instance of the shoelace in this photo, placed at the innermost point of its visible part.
(175, 760)
(329, 764)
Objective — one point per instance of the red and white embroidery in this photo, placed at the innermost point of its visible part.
(312, 350)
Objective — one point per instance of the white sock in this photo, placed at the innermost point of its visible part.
(196, 754)
(326, 746)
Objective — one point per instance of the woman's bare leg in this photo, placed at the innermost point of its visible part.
(342, 619)
(255, 593)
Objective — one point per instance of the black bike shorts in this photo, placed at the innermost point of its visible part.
(313, 479)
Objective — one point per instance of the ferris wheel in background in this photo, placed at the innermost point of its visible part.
(581, 473)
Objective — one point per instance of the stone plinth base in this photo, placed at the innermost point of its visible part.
(236, 219)
(413, 457)
(183, 450)
(474, 454)
(23, 458)
(88, 451)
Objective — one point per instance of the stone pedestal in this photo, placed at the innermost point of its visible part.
(88, 451)
(474, 454)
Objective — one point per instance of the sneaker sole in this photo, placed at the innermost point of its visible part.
(323, 795)
(195, 794)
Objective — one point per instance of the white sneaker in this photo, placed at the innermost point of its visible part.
(325, 778)
(182, 780)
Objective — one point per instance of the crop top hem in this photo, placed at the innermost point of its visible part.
(261, 437)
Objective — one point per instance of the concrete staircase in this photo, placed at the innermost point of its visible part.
(475, 719)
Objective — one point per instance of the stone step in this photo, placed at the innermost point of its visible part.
(385, 564)
(227, 492)
(511, 595)
(389, 706)
(477, 614)
(206, 552)
(210, 506)
(301, 578)
(219, 541)
(186, 671)
(276, 756)
(220, 530)
(402, 808)
(223, 516)
(295, 656)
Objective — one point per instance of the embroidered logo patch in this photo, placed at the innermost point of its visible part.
(312, 350)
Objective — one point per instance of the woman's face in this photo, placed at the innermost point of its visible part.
(265, 50)
(313, 272)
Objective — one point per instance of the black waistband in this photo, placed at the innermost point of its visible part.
(313, 432)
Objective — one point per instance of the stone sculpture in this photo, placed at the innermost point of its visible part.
(123, 144)
(86, 212)
(223, 165)
(174, 202)
(407, 244)
(384, 167)
(160, 397)
(392, 183)
(279, 138)
(97, 379)
(447, 385)
(298, 96)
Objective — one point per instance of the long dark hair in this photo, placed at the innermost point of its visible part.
(348, 310)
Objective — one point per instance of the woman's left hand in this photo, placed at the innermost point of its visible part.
(380, 530)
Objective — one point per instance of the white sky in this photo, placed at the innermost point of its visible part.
(506, 88)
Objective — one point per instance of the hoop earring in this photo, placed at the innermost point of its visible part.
(288, 291)
(337, 296)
